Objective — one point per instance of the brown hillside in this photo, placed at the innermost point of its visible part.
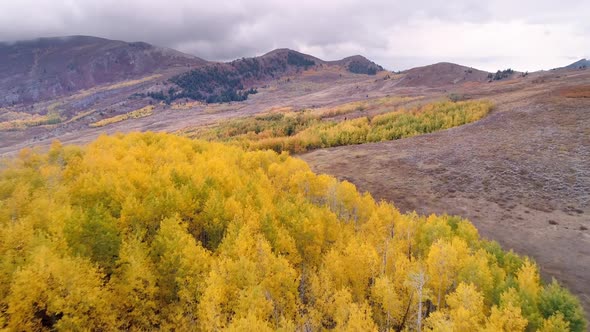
(47, 68)
(234, 81)
(442, 74)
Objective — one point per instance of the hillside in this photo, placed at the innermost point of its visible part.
(135, 83)
(234, 81)
(46, 68)
(580, 64)
(51, 68)
(442, 74)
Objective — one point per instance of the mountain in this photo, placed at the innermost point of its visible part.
(234, 81)
(442, 74)
(358, 64)
(46, 68)
(49, 68)
(580, 64)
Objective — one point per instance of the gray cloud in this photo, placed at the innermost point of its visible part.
(396, 33)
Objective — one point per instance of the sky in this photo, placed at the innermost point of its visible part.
(525, 35)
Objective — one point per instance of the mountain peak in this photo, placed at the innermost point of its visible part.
(442, 73)
(580, 64)
(286, 53)
(279, 51)
(358, 64)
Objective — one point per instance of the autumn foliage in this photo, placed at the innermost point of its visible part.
(302, 131)
(155, 232)
(139, 113)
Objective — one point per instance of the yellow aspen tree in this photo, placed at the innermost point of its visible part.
(528, 281)
(355, 267)
(55, 293)
(380, 231)
(248, 279)
(93, 233)
(555, 323)
(438, 321)
(466, 308)
(134, 288)
(249, 323)
(407, 227)
(475, 269)
(434, 228)
(390, 302)
(443, 263)
(182, 265)
(507, 318)
(350, 316)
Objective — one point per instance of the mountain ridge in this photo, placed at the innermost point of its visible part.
(46, 68)
(50, 67)
(235, 80)
(580, 64)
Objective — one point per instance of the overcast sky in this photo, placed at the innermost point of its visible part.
(398, 34)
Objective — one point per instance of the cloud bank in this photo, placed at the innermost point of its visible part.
(525, 35)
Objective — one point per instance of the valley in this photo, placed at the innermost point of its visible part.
(521, 173)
